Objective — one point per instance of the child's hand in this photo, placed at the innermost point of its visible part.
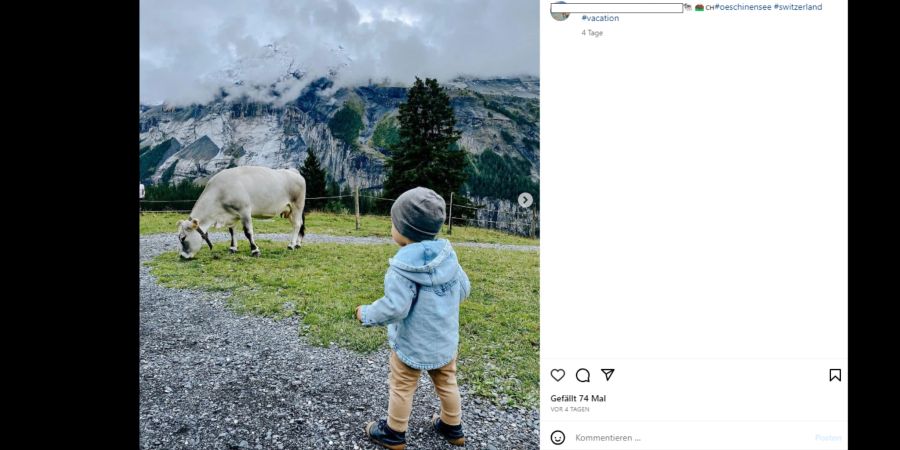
(359, 313)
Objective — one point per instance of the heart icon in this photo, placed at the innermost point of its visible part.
(557, 374)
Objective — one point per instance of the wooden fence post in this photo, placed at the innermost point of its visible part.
(356, 204)
(450, 215)
(533, 220)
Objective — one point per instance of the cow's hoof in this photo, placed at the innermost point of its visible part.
(254, 253)
(293, 247)
(232, 249)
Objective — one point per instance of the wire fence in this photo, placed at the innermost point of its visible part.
(515, 220)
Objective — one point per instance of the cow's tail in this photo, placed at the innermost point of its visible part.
(303, 223)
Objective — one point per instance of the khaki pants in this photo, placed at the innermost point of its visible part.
(403, 381)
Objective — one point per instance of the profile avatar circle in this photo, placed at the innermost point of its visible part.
(559, 16)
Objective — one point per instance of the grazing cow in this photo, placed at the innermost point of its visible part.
(239, 194)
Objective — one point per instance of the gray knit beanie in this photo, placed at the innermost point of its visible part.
(418, 214)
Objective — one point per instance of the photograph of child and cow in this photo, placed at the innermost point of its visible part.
(493, 338)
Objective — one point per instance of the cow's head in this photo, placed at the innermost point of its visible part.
(191, 237)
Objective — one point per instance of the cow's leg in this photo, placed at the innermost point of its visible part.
(248, 231)
(233, 248)
(298, 221)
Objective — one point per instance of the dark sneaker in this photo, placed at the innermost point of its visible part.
(452, 433)
(380, 433)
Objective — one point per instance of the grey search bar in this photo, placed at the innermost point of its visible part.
(616, 8)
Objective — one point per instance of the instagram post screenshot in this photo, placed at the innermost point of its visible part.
(494, 225)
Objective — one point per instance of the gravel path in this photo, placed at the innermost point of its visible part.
(313, 238)
(211, 379)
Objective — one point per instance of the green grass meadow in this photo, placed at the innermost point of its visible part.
(322, 283)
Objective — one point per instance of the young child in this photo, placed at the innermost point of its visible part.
(423, 286)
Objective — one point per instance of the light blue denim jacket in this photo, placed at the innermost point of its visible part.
(422, 290)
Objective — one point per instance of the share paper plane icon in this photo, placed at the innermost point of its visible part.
(608, 373)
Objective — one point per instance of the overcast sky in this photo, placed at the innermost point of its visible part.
(187, 46)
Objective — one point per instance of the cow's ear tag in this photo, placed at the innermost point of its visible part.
(195, 224)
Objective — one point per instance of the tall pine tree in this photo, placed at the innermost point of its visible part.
(315, 180)
(427, 154)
